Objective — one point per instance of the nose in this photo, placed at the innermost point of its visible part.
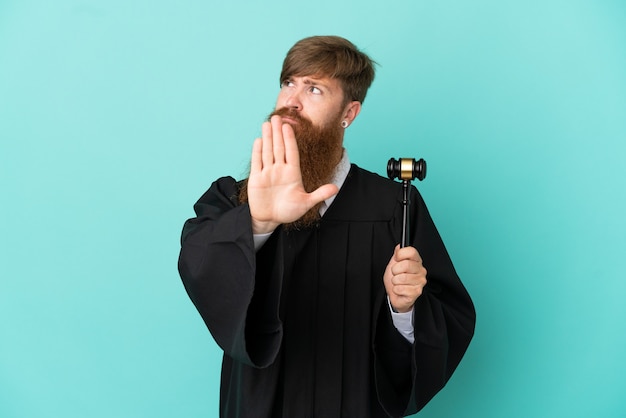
(292, 101)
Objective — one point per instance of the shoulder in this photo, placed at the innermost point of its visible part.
(366, 196)
(377, 185)
(362, 175)
(223, 194)
(371, 185)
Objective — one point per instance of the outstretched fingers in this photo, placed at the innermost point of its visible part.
(267, 151)
(292, 155)
(256, 160)
(278, 142)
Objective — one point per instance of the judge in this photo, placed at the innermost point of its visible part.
(297, 271)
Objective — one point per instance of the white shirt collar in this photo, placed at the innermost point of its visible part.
(341, 173)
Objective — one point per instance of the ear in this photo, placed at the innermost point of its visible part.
(351, 111)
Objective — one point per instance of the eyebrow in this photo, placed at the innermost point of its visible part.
(313, 81)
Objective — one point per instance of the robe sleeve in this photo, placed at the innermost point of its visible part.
(407, 377)
(233, 293)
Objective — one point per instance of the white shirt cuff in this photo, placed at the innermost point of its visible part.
(403, 321)
(260, 239)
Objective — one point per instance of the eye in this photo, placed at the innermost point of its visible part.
(287, 83)
(315, 90)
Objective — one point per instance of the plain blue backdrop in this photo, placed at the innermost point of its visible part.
(115, 116)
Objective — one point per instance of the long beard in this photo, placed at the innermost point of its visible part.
(320, 150)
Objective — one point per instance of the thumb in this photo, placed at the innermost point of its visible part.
(396, 251)
(322, 193)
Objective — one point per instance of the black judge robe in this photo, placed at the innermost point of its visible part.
(304, 323)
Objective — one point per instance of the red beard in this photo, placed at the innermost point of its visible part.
(320, 149)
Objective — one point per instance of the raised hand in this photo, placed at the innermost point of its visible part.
(276, 194)
(404, 278)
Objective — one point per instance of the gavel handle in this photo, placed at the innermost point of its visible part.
(406, 202)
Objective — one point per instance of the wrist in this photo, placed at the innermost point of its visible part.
(400, 309)
(261, 227)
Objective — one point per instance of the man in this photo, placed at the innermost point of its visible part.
(297, 272)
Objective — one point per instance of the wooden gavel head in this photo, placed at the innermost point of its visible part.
(406, 169)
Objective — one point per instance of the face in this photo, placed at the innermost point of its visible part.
(320, 100)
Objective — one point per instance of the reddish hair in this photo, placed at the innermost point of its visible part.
(334, 57)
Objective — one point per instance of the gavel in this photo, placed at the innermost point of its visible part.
(406, 169)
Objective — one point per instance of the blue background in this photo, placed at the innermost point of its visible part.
(115, 116)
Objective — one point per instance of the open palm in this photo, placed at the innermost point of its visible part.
(276, 193)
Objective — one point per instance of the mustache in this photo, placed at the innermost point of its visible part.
(290, 113)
